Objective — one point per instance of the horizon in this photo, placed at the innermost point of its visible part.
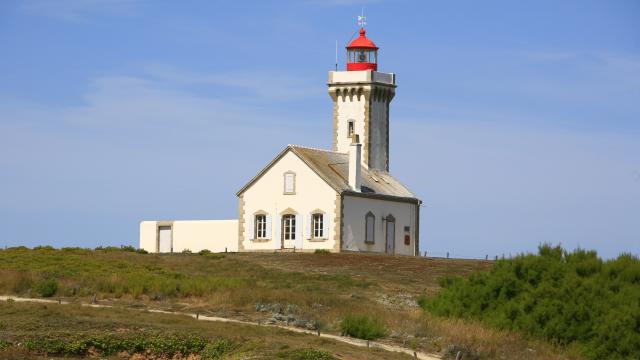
(516, 124)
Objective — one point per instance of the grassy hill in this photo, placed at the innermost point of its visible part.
(305, 290)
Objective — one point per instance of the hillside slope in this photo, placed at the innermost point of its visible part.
(306, 290)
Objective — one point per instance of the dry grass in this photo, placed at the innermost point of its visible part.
(321, 288)
(22, 321)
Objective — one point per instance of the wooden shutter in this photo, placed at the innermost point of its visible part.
(308, 226)
(268, 234)
(298, 232)
(278, 235)
(250, 223)
(325, 226)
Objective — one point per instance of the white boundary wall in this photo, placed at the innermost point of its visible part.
(195, 235)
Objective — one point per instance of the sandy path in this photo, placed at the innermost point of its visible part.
(344, 339)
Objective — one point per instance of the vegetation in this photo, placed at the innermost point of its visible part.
(74, 331)
(568, 298)
(362, 327)
(305, 290)
(47, 288)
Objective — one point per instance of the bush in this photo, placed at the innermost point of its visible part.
(305, 354)
(47, 288)
(362, 327)
(128, 248)
(204, 252)
(322, 251)
(564, 297)
(141, 251)
(186, 251)
(217, 350)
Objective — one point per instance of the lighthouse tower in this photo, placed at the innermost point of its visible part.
(361, 97)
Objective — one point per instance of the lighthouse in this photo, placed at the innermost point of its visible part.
(361, 96)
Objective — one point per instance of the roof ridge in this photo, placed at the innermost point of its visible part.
(313, 148)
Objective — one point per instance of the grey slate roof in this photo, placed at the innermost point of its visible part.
(333, 167)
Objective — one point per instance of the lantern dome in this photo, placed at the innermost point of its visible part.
(362, 54)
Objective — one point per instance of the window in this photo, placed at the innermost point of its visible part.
(350, 129)
(289, 227)
(289, 182)
(318, 226)
(370, 228)
(407, 235)
(261, 226)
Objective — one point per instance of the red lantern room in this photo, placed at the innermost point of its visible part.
(362, 54)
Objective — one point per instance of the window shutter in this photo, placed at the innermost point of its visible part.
(325, 226)
(278, 237)
(250, 223)
(298, 232)
(268, 234)
(308, 227)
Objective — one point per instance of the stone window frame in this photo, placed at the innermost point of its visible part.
(260, 226)
(369, 217)
(284, 183)
(320, 230)
(351, 128)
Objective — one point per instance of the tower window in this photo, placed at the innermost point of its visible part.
(350, 128)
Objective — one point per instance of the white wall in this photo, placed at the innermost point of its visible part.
(195, 235)
(148, 236)
(355, 210)
(267, 195)
(350, 108)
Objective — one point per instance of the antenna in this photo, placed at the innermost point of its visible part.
(336, 55)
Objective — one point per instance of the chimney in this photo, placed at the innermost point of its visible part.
(355, 154)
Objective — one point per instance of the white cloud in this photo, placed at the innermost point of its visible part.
(269, 86)
(79, 10)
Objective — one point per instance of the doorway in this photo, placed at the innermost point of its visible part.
(288, 231)
(164, 239)
(391, 235)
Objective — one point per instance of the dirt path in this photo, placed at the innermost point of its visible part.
(344, 339)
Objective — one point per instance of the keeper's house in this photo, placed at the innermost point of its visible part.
(342, 199)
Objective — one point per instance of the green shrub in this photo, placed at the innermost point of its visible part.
(217, 350)
(47, 288)
(564, 297)
(204, 252)
(141, 251)
(362, 327)
(43, 247)
(128, 248)
(322, 251)
(305, 354)
(4, 344)
(186, 251)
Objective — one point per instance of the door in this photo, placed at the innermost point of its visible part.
(289, 232)
(164, 239)
(391, 235)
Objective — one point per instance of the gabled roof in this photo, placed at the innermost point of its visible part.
(333, 168)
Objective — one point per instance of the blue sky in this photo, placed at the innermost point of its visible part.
(517, 123)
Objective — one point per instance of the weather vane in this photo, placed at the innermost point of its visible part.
(362, 20)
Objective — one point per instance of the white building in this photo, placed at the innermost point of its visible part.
(342, 199)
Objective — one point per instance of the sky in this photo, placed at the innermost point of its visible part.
(516, 123)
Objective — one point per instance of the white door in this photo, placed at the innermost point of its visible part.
(164, 239)
(289, 231)
(391, 237)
